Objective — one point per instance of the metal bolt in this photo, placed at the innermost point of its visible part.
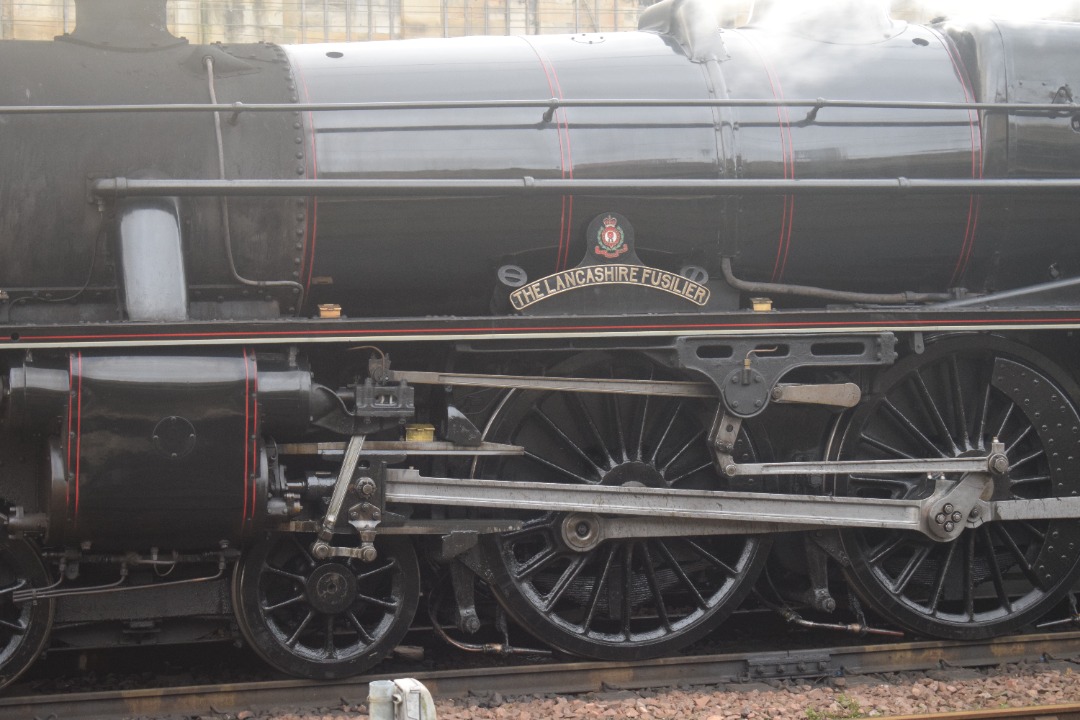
(956, 517)
(730, 470)
(948, 508)
(940, 518)
(949, 527)
(368, 554)
(1000, 464)
(975, 513)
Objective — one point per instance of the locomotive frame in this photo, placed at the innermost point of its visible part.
(629, 465)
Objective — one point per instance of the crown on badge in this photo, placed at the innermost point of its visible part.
(610, 221)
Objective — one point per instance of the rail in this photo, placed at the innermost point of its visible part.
(572, 677)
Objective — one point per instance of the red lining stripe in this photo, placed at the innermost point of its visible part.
(70, 439)
(254, 432)
(247, 419)
(974, 201)
(566, 159)
(78, 442)
(787, 149)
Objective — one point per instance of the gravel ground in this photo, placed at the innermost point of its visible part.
(835, 699)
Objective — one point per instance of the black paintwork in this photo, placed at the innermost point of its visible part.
(373, 256)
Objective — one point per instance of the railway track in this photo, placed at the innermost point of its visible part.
(1040, 712)
(570, 677)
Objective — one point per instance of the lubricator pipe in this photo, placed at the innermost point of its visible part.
(817, 293)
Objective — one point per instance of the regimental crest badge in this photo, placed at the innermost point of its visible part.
(610, 239)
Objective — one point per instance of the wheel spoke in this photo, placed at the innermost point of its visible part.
(594, 598)
(1032, 529)
(911, 428)
(980, 435)
(654, 587)
(903, 485)
(1016, 441)
(689, 473)
(1027, 458)
(377, 571)
(885, 447)
(559, 468)
(667, 431)
(586, 416)
(364, 634)
(1029, 480)
(295, 637)
(942, 578)
(709, 557)
(617, 422)
(532, 527)
(959, 413)
(1021, 560)
(18, 628)
(536, 563)
(303, 550)
(628, 588)
(877, 554)
(388, 604)
(551, 425)
(995, 569)
(932, 409)
(267, 567)
(646, 400)
(331, 651)
(568, 576)
(1005, 419)
(910, 569)
(694, 440)
(969, 574)
(681, 574)
(270, 609)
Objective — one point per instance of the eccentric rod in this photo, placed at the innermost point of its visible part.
(129, 187)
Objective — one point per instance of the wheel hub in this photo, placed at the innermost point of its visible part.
(331, 588)
(634, 474)
(581, 531)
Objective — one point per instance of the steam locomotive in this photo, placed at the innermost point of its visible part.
(610, 328)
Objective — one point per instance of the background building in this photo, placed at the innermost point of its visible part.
(293, 21)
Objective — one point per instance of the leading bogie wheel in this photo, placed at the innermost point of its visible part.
(952, 401)
(324, 619)
(24, 623)
(620, 599)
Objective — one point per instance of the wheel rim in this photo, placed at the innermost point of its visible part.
(324, 619)
(25, 626)
(948, 403)
(622, 598)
